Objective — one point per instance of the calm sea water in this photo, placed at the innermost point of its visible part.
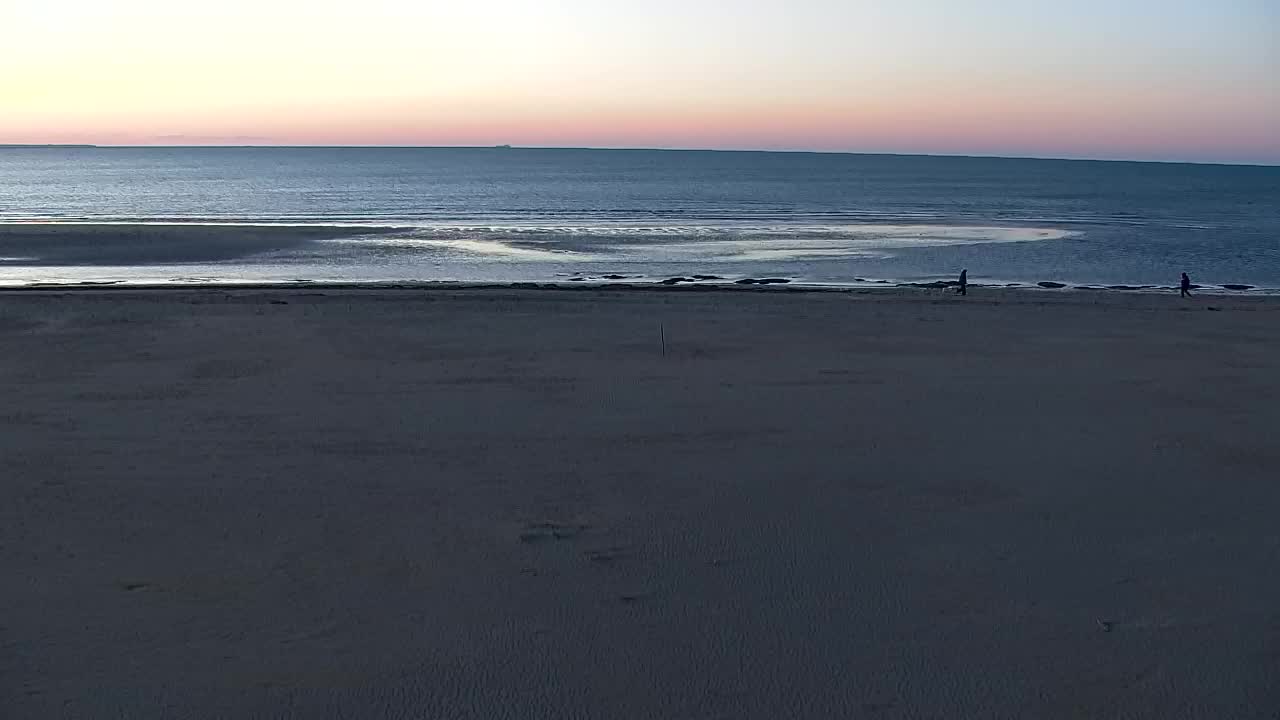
(524, 214)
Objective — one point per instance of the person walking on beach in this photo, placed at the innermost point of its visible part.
(964, 281)
(1186, 286)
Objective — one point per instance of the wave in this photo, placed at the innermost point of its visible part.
(695, 243)
(535, 219)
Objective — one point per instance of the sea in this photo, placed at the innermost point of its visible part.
(564, 215)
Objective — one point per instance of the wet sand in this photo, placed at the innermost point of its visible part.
(52, 245)
(450, 503)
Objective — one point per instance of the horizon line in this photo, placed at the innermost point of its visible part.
(961, 156)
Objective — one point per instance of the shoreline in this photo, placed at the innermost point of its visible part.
(876, 287)
(152, 249)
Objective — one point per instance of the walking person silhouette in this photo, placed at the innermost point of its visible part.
(1185, 290)
(964, 282)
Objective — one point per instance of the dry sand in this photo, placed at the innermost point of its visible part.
(512, 504)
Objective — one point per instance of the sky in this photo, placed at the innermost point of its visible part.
(1127, 79)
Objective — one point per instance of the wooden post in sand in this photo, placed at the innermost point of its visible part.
(662, 335)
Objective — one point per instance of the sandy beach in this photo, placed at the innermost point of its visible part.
(503, 503)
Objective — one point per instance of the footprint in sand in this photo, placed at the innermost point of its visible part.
(606, 557)
(535, 533)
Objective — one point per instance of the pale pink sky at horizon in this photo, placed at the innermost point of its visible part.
(1175, 80)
